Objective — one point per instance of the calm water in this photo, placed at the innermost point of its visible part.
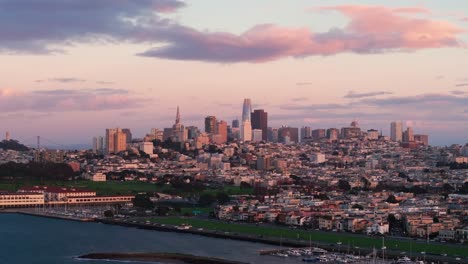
(29, 239)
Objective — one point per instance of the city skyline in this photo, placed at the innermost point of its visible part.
(306, 64)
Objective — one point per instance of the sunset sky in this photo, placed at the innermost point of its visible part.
(69, 69)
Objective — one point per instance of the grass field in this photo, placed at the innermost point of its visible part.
(326, 237)
(118, 187)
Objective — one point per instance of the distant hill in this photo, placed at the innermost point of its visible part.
(13, 145)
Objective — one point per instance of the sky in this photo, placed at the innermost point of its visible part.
(69, 69)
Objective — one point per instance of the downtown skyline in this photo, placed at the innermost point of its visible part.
(69, 81)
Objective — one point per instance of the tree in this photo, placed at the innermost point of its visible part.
(344, 185)
(222, 198)
(392, 199)
(143, 201)
(206, 199)
(245, 185)
(358, 206)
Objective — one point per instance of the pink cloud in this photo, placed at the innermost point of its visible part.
(371, 29)
(67, 100)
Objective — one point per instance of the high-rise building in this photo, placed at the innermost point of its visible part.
(167, 133)
(257, 135)
(128, 133)
(7, 136)
(318, 133)
(352, 131)
(372, 134)
(247, 110)
(116, 141)
(260, 121)
(423, 139)
(222, 130)
(273, 135)
(235, 123)
(95, 144)
(178, 130)
(246, 131)
(333, 133)
(210, 125)
(288, 135)
(100, 145)
(192, 132)
(396, 131)
(408, 135)
(306, 132)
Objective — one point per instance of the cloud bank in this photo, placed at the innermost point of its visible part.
(49, 26)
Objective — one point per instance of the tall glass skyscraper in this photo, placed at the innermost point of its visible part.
(247, 109)
(246, 129)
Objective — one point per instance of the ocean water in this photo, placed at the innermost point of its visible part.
(31, 240)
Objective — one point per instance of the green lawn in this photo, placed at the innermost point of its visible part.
(328, 237)
(202, 210)
(118, 187)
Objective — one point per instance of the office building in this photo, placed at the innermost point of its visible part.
(422, 139)
(235, 123)
(396, 131)
(246, 131)
(257, 135)
(128, 134)
(178, 130)
(306, 133)
(116, 141)
(222, 131)
(247, 110)
(273, 135)
(372, 134)
(210, 125)
(288, 135)
(408, 135)
(318, 134)
(259, 120)
(333, 133)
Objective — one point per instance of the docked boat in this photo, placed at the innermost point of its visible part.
(310, 259)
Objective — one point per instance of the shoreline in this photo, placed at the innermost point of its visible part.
(239, 237)
(173, 258)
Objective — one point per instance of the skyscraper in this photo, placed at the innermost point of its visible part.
(128, 133)
(306, 132)
(210, 124)
(7, 136)
(178, 130)
(246, 129)
(246, 110)
(222, 131)
(116, 141)
(396, 131)
(260, 121)
(408, 135)
(235, 123)
(333, 133)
